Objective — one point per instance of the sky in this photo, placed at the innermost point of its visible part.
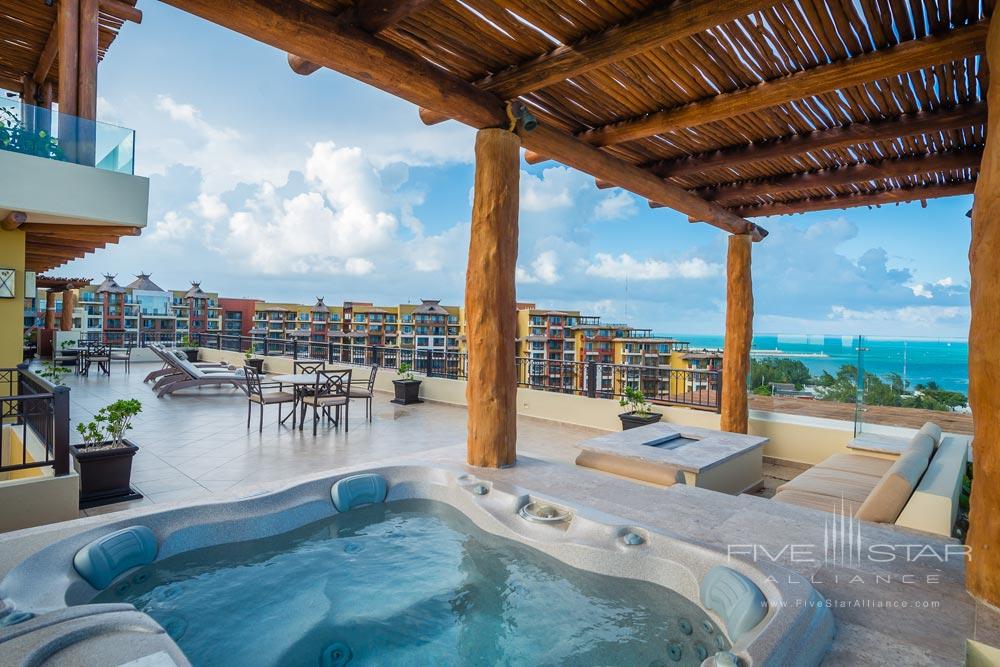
(269, 185)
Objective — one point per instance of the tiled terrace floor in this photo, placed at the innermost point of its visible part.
(196, 443)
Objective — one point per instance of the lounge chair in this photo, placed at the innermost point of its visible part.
(170, 364)
(189, 375)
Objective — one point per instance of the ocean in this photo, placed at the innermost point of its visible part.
(918, 360)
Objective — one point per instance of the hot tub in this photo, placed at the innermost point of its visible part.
(398, 565)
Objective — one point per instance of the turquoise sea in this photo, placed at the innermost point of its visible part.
(918, 360)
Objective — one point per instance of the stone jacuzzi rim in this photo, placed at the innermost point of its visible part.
(797, 629)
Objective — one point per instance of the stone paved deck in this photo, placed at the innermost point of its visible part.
(195, 446)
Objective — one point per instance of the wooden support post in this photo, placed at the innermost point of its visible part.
(68, 20)
(982, 572)
(739, 333)
(68, 302)
(28, 102)
(490, 302)
(50, 310)
(86, 102)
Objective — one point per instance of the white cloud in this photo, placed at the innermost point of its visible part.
(172, 227)
(544, 269)
(210, 207)
(556, 188)
(607, 266)
(617, 206)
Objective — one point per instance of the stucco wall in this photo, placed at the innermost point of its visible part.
(12, 310)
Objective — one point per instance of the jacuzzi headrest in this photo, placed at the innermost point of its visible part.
(735, 598)
(357, 490)
(107, 557)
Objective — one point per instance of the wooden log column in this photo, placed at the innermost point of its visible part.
(68, 302)
(739, 333)
(86, 96)
(490, 303)
(69, 74)
(50, 310)
(982, 574)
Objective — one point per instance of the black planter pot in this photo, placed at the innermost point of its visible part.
(256, 364)
(407, 391)
(191, 353)
(635, 420)
(104, 473)
(69, 357)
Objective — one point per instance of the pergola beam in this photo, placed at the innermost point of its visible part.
(44, 228)
(324, 39)
(372, 16)
(896, 196)
(906, 57)
(13, 220)
(967, 115)
(828, 178)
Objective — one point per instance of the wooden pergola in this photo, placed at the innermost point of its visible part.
(49, 52)
(55, 285)
(719, 109)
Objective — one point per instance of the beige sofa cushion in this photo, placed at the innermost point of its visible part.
(817, 502)
(922, 443)
(833, 483)
(933, 430)
(893, 491)
(868, 465)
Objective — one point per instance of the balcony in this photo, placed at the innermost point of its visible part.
(64, 169)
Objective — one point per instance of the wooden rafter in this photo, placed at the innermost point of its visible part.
(906, 57)
(968, 115)
(659, 27)
(322, 38)
(828, 178)
(895, 196)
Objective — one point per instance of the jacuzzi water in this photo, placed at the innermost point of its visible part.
(409, 582)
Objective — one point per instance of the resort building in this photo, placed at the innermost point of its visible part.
(237, 315)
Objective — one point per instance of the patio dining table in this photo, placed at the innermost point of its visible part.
(301, 379)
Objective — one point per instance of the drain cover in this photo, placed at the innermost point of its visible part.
(336, 654)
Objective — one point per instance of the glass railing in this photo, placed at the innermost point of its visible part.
(45, 133)
(874, 382)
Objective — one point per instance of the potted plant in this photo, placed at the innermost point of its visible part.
(252, 361)
(189, 348)
(104, 459)
(408, 388)
(638, 413)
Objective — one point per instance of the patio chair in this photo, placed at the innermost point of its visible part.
(125, 355)
(99, 354)
(189, 376)
(366, 390)
(329, 391)
(256, 393)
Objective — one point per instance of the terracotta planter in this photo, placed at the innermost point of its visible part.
(407, 391)
(104, 473)
(256, 364)
(635, 420)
